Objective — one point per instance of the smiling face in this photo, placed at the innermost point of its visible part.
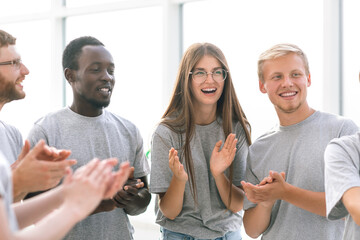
(286, 82)
(207, 93)
(11, 76)
(94, 81)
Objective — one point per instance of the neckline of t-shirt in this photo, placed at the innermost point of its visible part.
(210, 125)
(300, 124)
(68, 109)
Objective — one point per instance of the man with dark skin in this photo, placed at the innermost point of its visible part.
(89, 130)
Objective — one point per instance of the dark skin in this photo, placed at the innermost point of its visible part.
(92, 84)
(133, 198)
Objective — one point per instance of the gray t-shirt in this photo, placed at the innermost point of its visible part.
(297, 150)
(11, 142)
(6, 192)
(210, 219)
(104, 136)
(342, 172)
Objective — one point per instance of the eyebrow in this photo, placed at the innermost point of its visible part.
(101, 63)
(205, 70)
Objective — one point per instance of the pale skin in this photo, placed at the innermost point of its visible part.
(171, 202)
(31, 171)
(55, 212)
(38, 169)
(351, 200)
(285, 81)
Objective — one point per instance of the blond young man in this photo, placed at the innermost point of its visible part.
(285, 170)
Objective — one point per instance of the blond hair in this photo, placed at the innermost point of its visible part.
(280, 50)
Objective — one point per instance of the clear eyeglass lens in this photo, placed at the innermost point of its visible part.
(17, 63)
(218, 75)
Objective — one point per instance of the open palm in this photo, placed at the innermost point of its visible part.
(221, 159)
(176, 167)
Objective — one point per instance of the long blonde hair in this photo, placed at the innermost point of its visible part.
(179, 115)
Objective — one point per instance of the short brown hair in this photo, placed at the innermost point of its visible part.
(6, 39)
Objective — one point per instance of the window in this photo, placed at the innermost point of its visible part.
(244, 29)
(351, 64)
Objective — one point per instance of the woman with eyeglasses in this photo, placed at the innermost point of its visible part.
(201, 133)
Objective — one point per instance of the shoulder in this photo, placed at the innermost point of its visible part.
(349, 141)
(53, 116)
(9, 128)
(333, 118)
(116, 119)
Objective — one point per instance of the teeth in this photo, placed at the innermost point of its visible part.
(288, 94)
(208, 89)
(105, 89)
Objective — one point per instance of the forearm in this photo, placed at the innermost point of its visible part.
(18, 190)
(32, 210)
(104, 206)
(237, 196)
(351, 200)
(53, 226)
(256, 220)
(313, 202)
(172, 202)
(142, 199)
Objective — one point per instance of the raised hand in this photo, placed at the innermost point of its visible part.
(84, 189)
(221, 159)
(31, 173)
(176, 167)
(118, 179)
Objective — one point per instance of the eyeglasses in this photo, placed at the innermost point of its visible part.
(200, 76)
(16, 63)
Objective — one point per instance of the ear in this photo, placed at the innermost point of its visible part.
(309, 80)
(69, 75)
(262, 87)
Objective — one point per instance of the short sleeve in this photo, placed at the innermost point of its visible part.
(141, 164)
(251, 178)
(240, 156)
(341, 174)
(161, 174)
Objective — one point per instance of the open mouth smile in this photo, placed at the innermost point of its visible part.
(208, 90)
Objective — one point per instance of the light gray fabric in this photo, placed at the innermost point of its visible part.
(210, 219)
(6, 192)
(10, 142)
(342, 172)
(104, 136)
(297, 150)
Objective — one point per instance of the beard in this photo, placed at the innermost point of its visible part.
(99, 104)
(8, 91)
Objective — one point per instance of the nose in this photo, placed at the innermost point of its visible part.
(209, 77)
(287, 82)
(107, 76)
(24, 70)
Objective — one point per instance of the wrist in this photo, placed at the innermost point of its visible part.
(286, 191)
(17, 184)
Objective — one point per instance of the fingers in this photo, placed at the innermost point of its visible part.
(217, 146)
(131, 174)
(276, 176)
(69, 174)
(62, 155)
(37, 149)
(172, 155)
(25, 150)
(229, 141)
